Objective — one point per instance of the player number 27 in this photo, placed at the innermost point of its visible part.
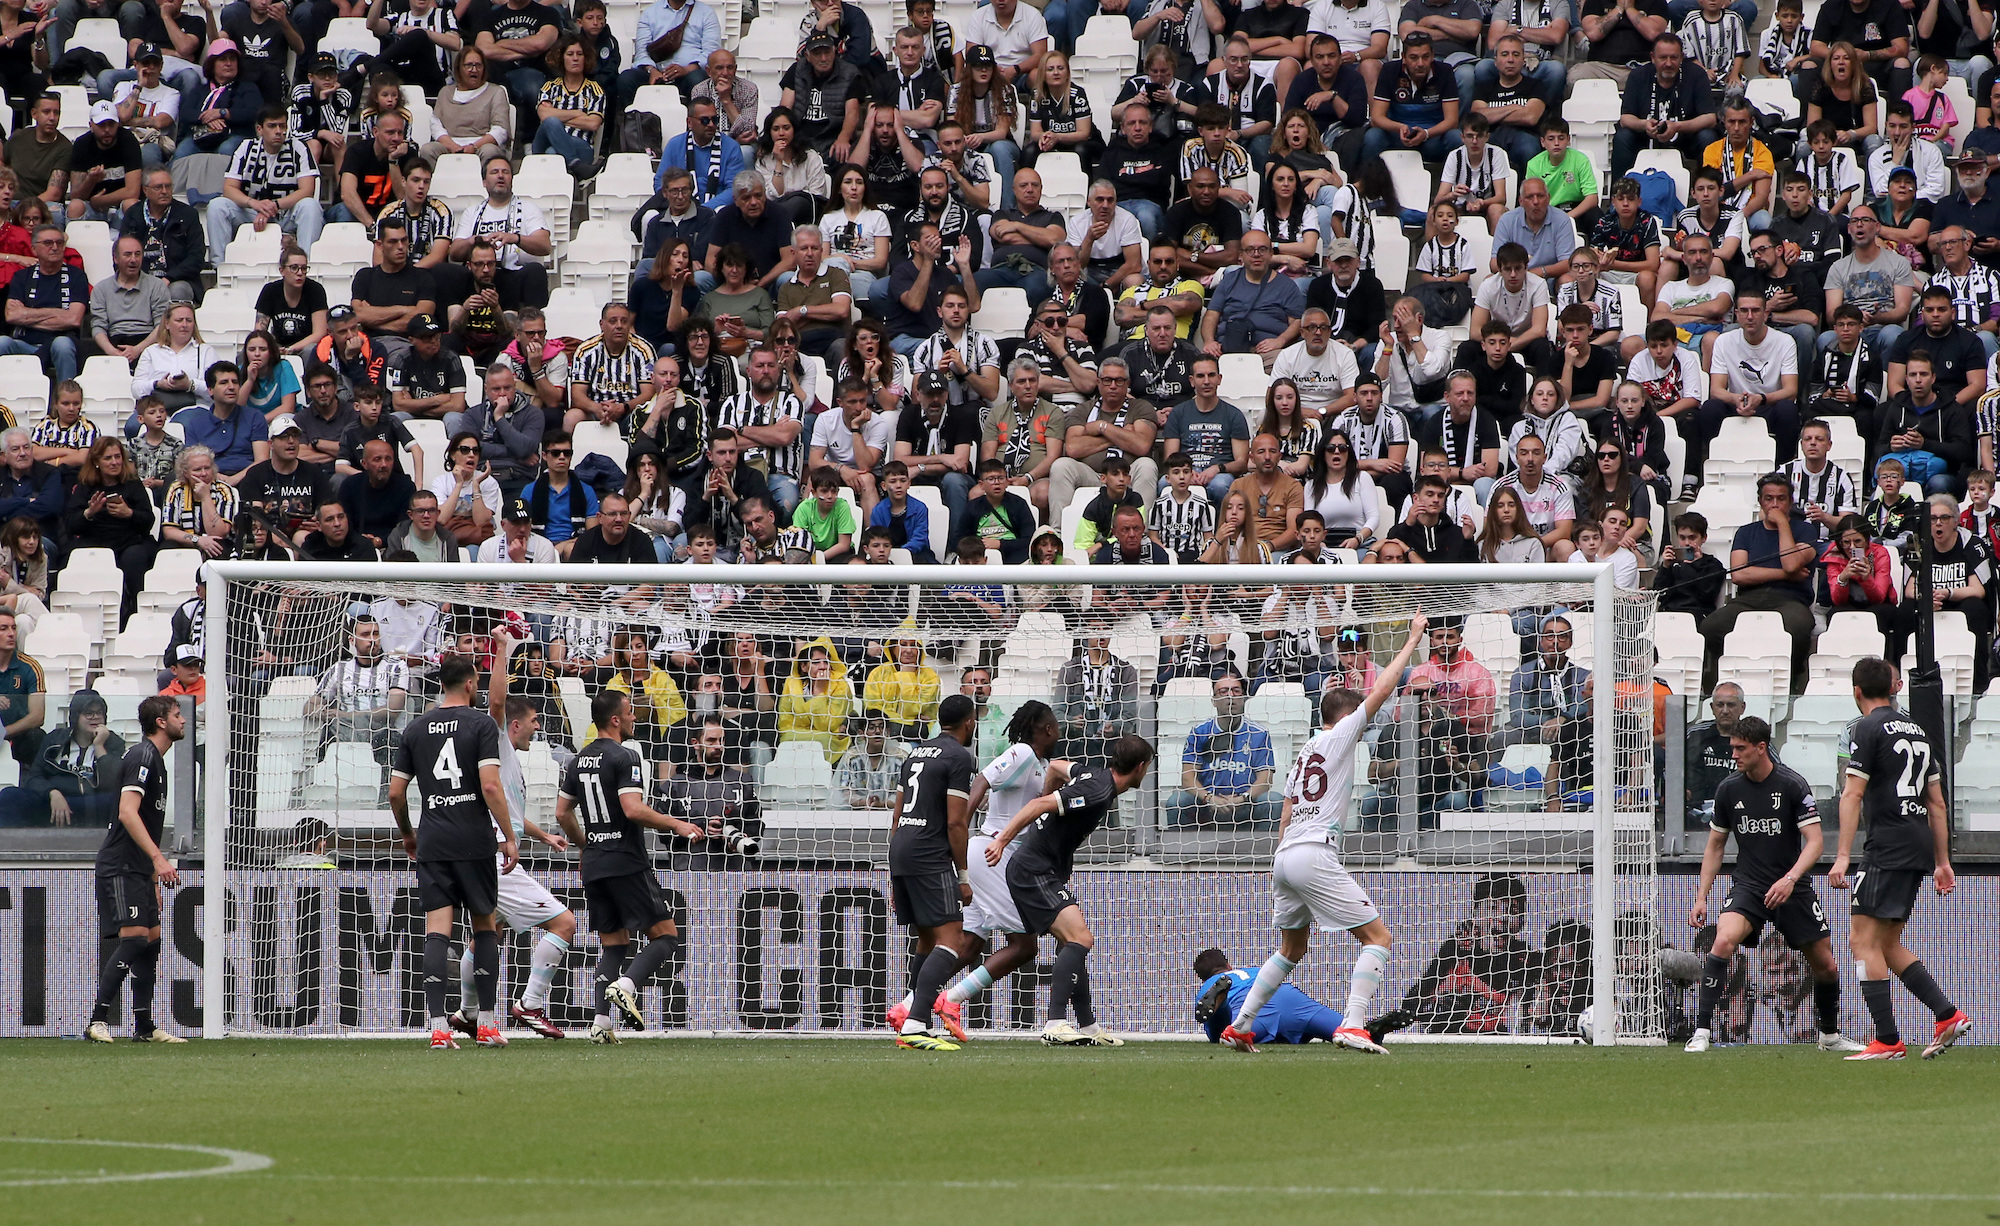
(1312, 778)
(1916, 766)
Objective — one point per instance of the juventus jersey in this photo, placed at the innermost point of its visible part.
(442, 751)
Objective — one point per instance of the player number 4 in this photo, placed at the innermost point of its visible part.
(447, 768)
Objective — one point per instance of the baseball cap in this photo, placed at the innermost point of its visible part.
(820, 38)
(517, 512)
(930, 381)
(323, 62)
(1368, 378)
(103, 112)
(1342, 249)
(186, 653)
(285, 423)
(148, 51)
(221, 46)
(1972, 157)
(1902, 172)
(423, 325)
(979, 55)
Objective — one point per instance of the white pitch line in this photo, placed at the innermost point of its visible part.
(239, 1161)
(1296, 1190)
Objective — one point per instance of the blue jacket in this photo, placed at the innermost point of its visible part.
(39, 496)
(684, 154)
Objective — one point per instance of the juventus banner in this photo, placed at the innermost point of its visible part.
(332, 952)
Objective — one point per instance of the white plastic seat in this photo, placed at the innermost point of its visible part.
(226, 316)
(74, 120)
(1413, 181)
(173, 571)
(571, 312)
(1669, 162)
(27, 387)
(625, 183)
(101, 35)
(92, 240)
(1244, 379)
(599, 438)
(350, 34)
(1003, 312)
(798, 775)
(1391, 256)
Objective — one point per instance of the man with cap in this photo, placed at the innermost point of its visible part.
(518, 541)
(393, 292)
(285, 488)
(1352, 297)
(1902, 150)
(320, 107)
(272, 179)
(939, 443)
(825, 92)
(1972, 207)
(148, 106)
(185, 662)
(426, 381)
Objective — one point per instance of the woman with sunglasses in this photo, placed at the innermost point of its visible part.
(1611, 483)
(793, 374)
(1344, 496)
(468, 496)
(871, 361)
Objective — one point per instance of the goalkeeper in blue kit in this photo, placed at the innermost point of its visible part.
(1290, 1016)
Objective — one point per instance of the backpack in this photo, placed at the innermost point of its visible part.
(1657, 195)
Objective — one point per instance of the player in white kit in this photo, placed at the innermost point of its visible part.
(1020, 774)
(1308, 884)
(525, 903)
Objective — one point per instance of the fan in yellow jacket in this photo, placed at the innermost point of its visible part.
(817, 701)
(904, 689)
(656, 700)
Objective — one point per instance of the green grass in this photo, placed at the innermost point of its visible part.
(803, 1133)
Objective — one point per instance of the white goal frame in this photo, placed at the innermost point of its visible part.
(1602, 617)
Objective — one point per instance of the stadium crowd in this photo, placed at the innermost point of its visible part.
(857, 331)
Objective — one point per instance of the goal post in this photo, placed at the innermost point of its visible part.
(330, 952)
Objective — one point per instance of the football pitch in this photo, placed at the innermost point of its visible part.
(839, 1131)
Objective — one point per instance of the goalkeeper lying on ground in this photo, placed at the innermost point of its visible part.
(1289, 1017)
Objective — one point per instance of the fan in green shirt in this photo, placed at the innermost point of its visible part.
(828, 517)
(1566, 172)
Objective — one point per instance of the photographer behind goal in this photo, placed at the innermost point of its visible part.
(717, 797)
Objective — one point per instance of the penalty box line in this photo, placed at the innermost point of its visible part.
(1174, 1189)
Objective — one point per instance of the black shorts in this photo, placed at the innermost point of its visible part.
(1887, 893)
(1799, 919)
(926, 900)
(1038, 896)
(472, 884)
(126, 900)
(629, 902)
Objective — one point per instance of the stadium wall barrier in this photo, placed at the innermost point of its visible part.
(337, 952)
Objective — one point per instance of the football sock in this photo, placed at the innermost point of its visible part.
(917, 961)
(116, 967)
(486, 968)
(1882, 1009)
(1714, 974)
(549, 954)
(1079, 999)
(1916, 977)
(1269, 978)
(144, 972)
(937, 968)
(977, 981)
(649, 961)
(609, 964)
(437, 962)
(468, 987)
(1826, 1005)
(1069, 965)
(1362, 985)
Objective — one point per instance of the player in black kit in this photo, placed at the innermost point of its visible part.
(1893, 778)
(130, 871)
(1769, 808)
(1038, 878)
(927, 873)
(452, 751)
(608, 782)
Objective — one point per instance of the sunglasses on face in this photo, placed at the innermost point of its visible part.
(557, 452)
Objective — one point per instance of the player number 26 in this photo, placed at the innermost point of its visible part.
(1312, 778)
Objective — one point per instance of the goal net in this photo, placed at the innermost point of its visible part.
(1503, 815)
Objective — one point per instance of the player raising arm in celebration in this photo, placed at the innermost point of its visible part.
(453, 753)
(525, 903)
(1038, 878)
(1768, 806)
(130, 871)
(927, 874)
(1308, 884)
(1893, 780)
(608, 782)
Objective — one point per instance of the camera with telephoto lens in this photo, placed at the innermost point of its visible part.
(735, 842)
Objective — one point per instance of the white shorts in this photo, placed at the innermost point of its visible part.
(525, 903)
(992, 908)
(1309, 886)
